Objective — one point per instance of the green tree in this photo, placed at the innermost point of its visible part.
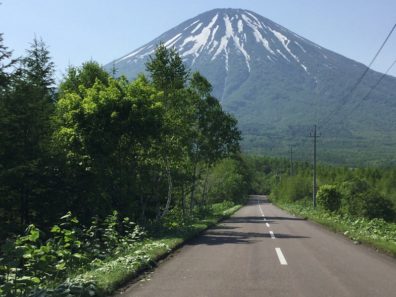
(25, 127)
(103, 129)
(84, 76)
(6, 62)
(166, 68)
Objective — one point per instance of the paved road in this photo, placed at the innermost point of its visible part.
(263, 251)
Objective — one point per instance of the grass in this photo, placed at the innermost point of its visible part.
(376, 233)
(111, 274)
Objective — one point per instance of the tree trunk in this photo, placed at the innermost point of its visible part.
(192, 198)
(169, 199)
(183, 202)
(205, 187)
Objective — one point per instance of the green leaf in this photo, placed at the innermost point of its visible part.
(78, 256)
(34, 235)
(66, 216)
(55, 229)
(60, 266)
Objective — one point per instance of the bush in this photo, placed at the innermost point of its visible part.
(375, 205)
(352, 192)
(360, 200)
(329, 197)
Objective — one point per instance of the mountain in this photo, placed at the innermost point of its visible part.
(279, 84)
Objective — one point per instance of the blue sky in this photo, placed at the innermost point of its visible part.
(79, 30)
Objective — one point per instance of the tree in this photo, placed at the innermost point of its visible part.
(25, 132)
(38, 69)
(6, 62)
(166, 68)
(104, 129)
(84, 76)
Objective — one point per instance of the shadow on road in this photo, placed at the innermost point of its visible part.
(258, 220)
(215, 237)
(285, 218)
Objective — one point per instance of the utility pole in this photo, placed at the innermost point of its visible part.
(291, 160)
(314, 136)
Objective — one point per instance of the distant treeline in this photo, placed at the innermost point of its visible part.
(360, 192)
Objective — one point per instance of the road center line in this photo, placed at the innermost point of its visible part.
(281, 258)
(262, 213)
(272, 235)
(268, 225)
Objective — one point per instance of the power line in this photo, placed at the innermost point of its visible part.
(374, 86)
(344, 98)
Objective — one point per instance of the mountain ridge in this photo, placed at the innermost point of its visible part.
(276, 82)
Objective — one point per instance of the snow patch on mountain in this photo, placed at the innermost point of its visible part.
(196, 28)
(199, 41)
(173, 40)
(285, 42)
(259, 38)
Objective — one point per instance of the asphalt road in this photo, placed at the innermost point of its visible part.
(263, 251)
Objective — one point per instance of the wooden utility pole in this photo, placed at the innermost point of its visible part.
(314, 136)
(291, 160)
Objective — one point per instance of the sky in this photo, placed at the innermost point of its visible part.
(103, 30)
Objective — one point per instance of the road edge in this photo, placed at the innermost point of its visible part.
(161, 257)
(340, 230)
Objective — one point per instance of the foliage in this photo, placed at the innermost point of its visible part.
(26, 107)
(374, 205)
(363, 192)
(292, 188)
(6, 62)
(228, 182)
(329, 197)
(33, 261)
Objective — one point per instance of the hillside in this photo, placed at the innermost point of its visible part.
(279, 84)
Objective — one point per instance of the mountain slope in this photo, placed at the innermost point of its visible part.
(278, 84)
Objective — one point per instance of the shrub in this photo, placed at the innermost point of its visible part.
(352, 192)
(375, 205)
(329, 197)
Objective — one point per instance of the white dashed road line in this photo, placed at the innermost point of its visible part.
(281, 258)
(262, 213)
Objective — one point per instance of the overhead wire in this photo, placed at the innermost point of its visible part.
(359, 80)
(375, 85)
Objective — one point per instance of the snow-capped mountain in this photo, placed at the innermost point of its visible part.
(227, 37)
(277, 83)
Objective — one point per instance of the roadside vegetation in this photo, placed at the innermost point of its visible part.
(101, 176)
(359, 202)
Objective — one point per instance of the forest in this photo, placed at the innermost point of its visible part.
(362, 192)
(104, 160)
